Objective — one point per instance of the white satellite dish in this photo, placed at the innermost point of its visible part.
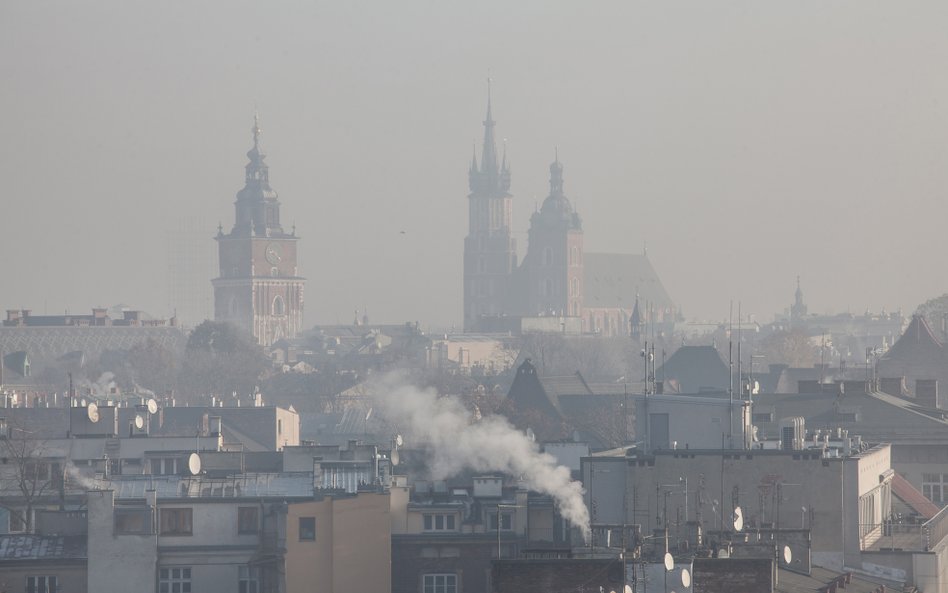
(194, 464)
(395, 457)
(738, 519)
(139, 422)
(92, 411)
(669, 561)
(628, 589)
(685, 578)
(152, 406)
(398, 440)
(787, 554)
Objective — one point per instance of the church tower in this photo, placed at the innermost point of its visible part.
(259, 288)
(552, 270)
(490, 251)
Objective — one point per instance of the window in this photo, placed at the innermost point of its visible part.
(439, 522)
(279, 307)
(17, 521)
(132, 521)
(935, 487)
(548, 256)
(174, 580)
(506, 521)
(441, 583)
(763, 416)
(248, 579)
(307, 529)
(43, 584)
(176, 522)
(247, 520)
(164, 466)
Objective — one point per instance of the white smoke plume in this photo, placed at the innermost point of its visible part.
(74, 475)
(102, 387)
(457, 441)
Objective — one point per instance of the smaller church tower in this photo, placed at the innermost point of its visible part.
(553, 267)
(798, 310)
(259, 288)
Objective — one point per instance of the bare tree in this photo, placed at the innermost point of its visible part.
(29, 475)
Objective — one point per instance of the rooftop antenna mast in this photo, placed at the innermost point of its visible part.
(730, 372)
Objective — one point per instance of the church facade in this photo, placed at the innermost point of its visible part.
(259, 288)
(556, 278)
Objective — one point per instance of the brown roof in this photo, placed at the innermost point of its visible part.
(912, 497)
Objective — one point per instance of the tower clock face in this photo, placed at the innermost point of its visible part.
(274, 254)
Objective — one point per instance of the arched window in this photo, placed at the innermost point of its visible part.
(548, 256)
(279, 307)
(574, 287)
(548, 287)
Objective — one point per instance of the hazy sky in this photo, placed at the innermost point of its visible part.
(745, 142)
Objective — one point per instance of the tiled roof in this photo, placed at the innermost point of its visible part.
(816, 582)
(613, 280)
(912, 497)
(41, 547)
(695, 368)
(295, 484)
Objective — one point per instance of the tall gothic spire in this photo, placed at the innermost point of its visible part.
(489, 158)
(490, 177)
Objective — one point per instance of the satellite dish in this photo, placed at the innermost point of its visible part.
(139, 422)
(152, 406)
(398, 440)
(738, 519)
(194, 464)
(531, 435)
(395, 457)
(685, 578)
(669, 561)
(628, 589)
(787, 554)
(92, 411)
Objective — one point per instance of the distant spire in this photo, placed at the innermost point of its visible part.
(257, 170)
(489, 178)
(256, 129)
(489, 157)
(556, 175)
(503, 164)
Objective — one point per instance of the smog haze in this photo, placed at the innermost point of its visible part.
(743, 143)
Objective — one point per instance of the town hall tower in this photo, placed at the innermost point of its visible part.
(259, 288)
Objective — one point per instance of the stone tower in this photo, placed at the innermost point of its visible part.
(259, 287)
(490, 251)
(552, 270)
